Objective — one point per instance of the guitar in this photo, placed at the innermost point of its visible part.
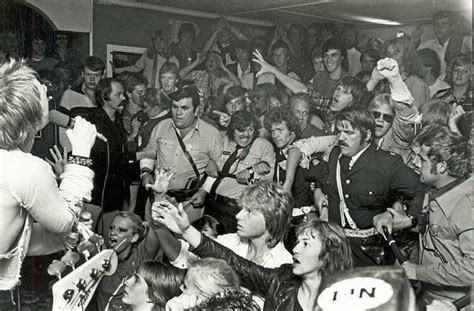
(75, 290)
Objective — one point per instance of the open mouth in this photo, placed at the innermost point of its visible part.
(295, 261)
(112, 241)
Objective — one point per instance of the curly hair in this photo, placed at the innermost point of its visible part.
(410, 60)
(280, 115)
(274, 203)
(240, 120)
(446, 146)
(335, 252)
(163, 281)
(21, 110)
(210, 276)
(231, 299)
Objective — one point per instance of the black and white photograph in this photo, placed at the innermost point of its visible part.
(236, 155)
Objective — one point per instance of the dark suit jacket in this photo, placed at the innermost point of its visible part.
(375, 181)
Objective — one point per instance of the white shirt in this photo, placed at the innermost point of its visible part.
(356, 156)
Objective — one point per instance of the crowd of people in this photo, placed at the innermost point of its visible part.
(242, 174)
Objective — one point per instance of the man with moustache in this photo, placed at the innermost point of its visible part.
(109, 160)
(362, 182)
(245, 158)
(185, 145)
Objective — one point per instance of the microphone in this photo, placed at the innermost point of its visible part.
(65, 121)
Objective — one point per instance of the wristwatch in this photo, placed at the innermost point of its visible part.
(414, 220)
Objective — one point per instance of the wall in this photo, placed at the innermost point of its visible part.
(133, 27)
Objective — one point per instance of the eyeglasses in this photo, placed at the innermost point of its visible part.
(386, 117)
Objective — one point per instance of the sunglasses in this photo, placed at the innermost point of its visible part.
(386, 117)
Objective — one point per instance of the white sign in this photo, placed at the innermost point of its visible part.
(360, 293)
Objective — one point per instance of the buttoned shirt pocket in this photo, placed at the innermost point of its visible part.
(372, 195)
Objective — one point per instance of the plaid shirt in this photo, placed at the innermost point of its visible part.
(321, 106)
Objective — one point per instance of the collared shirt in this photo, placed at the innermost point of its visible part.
(274, 258)
(261, 150)
(357, 156)
(441, 50)
(203, 143)
(446, 252)
(439, 85)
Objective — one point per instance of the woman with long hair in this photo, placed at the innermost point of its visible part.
(400, 48)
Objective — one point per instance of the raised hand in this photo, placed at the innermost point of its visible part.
(59, 160)
(201, 57)
(264, 65)
(224, 118)
(174, 218)
(162, 181)
(82, 137)
(388, 68)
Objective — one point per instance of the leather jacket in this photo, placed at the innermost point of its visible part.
(278, 286)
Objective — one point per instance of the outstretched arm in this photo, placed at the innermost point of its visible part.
(253, 276)
(293, 85)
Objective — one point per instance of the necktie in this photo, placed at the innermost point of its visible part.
(225, 169)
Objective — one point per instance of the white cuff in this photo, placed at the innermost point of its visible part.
(207, 186)
(147, 163)
(76, 182)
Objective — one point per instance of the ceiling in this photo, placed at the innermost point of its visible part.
(405, 12)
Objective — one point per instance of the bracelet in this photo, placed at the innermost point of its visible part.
(79, 161)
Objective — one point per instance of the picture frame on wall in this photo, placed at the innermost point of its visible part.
(122, 56)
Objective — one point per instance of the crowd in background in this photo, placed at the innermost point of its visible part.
(290, 150)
